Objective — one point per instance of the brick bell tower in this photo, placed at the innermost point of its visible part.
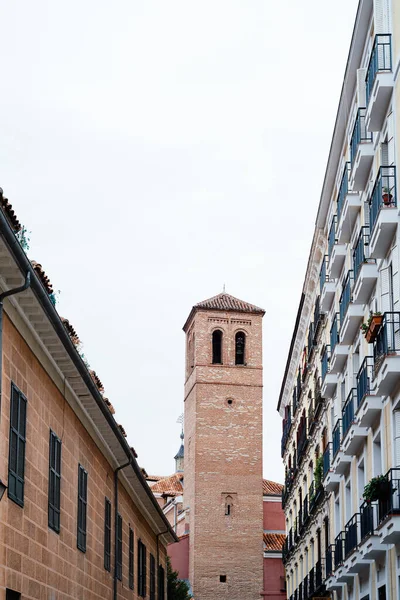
(223, 493)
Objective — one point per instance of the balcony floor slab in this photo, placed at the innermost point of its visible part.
(390, 530)
(387, 377)
(383, 231)
(354, 439)
(369, 410)
(327, 295)
(351, 323)
(378, 101)
(339, 358)
(348, 217)
(329, 384)
(361, 166)
(365, 282)
(336, 260)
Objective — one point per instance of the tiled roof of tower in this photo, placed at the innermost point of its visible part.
(270, 488)
(225, 302)
(170, 486)
(273, 542)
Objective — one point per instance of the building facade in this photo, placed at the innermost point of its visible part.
(77, 519)
(340, 397)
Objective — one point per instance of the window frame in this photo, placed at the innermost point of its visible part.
(217, 346)
(17, 476)
(152, 577)
(54, 491)
(82, 508)
(141, 569)
(107, 534)
(131, 558)
(237, 334)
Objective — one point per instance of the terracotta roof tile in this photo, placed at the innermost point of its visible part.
(270, 488)
(227, 302)
(96, 380)
(71, 331)
(10, 213)
(109, 406)
(273, 542)
(42, 276)
(169, 486)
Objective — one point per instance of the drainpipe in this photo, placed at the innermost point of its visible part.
(16, 290)
(116, 520)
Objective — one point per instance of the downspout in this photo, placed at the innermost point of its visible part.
(158, 560)
(116, 521)
(16, 290)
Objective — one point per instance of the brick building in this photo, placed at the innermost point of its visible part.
(78, 519)
(217, 509)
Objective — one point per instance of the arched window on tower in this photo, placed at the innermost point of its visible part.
(217, 347)
(228, 506)
(240, 343)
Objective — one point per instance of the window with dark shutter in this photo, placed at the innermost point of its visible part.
(107, 535)
(130, 558)
(82, 508)
(119, 547)
(16, 457)
(161, 583)
(240, 343)
(217, 347)
(141, 569)
(54, 481)
(152, 578)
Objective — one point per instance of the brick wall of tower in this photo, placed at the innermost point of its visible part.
(224, 457)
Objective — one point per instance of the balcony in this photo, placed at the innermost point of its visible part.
(351, 314)
(354, 560)
(330, 479)
(318, 319)
(340, 461)
(287, 424)
(370, 547)
(369, 406)
(327, 287)
(379, 82)
(315, 495)
(389, 509)
(329, 380)
(383, 213)
(387, 355)
(353, 436)
(364, 269)
(348, 207)
(336, 252)
(339, 549)
(339, 352)
(361, 152)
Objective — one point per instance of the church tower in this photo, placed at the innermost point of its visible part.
(223, 494)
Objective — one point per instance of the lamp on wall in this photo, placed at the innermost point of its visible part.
(3, 488)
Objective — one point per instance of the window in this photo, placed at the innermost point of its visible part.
(141, 569)
(161, 583)
(54, 481)
(217, 347)
(119, 547)
(240, 343)
(16, 458)
(152, 578)
(130, 558)
(222, 578)
(11, 595)
(228, 506)
(107, 535)
(82, 508)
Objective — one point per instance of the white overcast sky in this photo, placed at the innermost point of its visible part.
(157, 149)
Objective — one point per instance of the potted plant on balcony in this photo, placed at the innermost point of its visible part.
(318, 472)
(386, 196)
(378, 488)
(371, 327)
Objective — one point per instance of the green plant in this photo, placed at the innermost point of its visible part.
(177, 589)
(365, 326)
(23, 236)
(54, 297)
(376, 488)
(318, 471)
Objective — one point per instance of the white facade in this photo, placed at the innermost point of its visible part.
(340, 396)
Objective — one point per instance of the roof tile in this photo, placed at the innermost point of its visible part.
(270, 488)
(273, 542)
(227, 302)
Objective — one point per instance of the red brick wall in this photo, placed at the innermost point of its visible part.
(38, 562)
(274, 517)
(273, 571)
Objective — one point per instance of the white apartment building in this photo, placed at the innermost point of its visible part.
(340, 396)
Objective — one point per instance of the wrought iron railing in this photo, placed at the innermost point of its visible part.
(322, 274)
(339, 549)
(364, 379)
(294, 401)
(298, 385)
(348, 411)
(345, 297)
(343, 190)
(360, 253)
(387, 340)
(384, 194)
(329, 560)
(332, 236)
(334, 332)
(310, 340)
(302, 440)
(380, 60)
(325, 362)
(351, 534)
(360, 134)
(367, 521)
(305, 509)
(389, 502)
(326, 459)
(336, 438)
(305, 587)
(311, 582)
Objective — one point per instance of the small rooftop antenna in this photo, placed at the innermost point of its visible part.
(180, 420)
(224, 289)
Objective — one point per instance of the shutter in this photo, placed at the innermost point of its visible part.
(379, 16)
(396, 418)
(385, 290)
(144, 571)
(384, 154)
(361, 92)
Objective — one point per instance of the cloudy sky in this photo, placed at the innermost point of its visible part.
(157, 150)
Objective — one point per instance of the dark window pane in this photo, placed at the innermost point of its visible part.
(16, 451)
(131, 559)
(240, 342)
(217, 347)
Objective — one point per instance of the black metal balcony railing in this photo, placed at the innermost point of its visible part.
(318, 320)
(294, 401)
(322, 274)
(319, 578)
(326, 459)
(310, 341)
(315, 494)
(334, 332)
(359, 252)
(348, 411)
(302, 441)
(310, 418)
(300, 590)
(388, 339)
(345, 297)
(360, 134)
(384, 194)
(298, 386)
(287, 424)
(339, 549)
(305, 510)
(329, 560)
(332, 236)
(336, 438)
(366, 519)
(305, 587)
(380, 60)
(311, 582)
(364, 379)
(325, 362)
(389, 504)
(351, 534)
(343, 190)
